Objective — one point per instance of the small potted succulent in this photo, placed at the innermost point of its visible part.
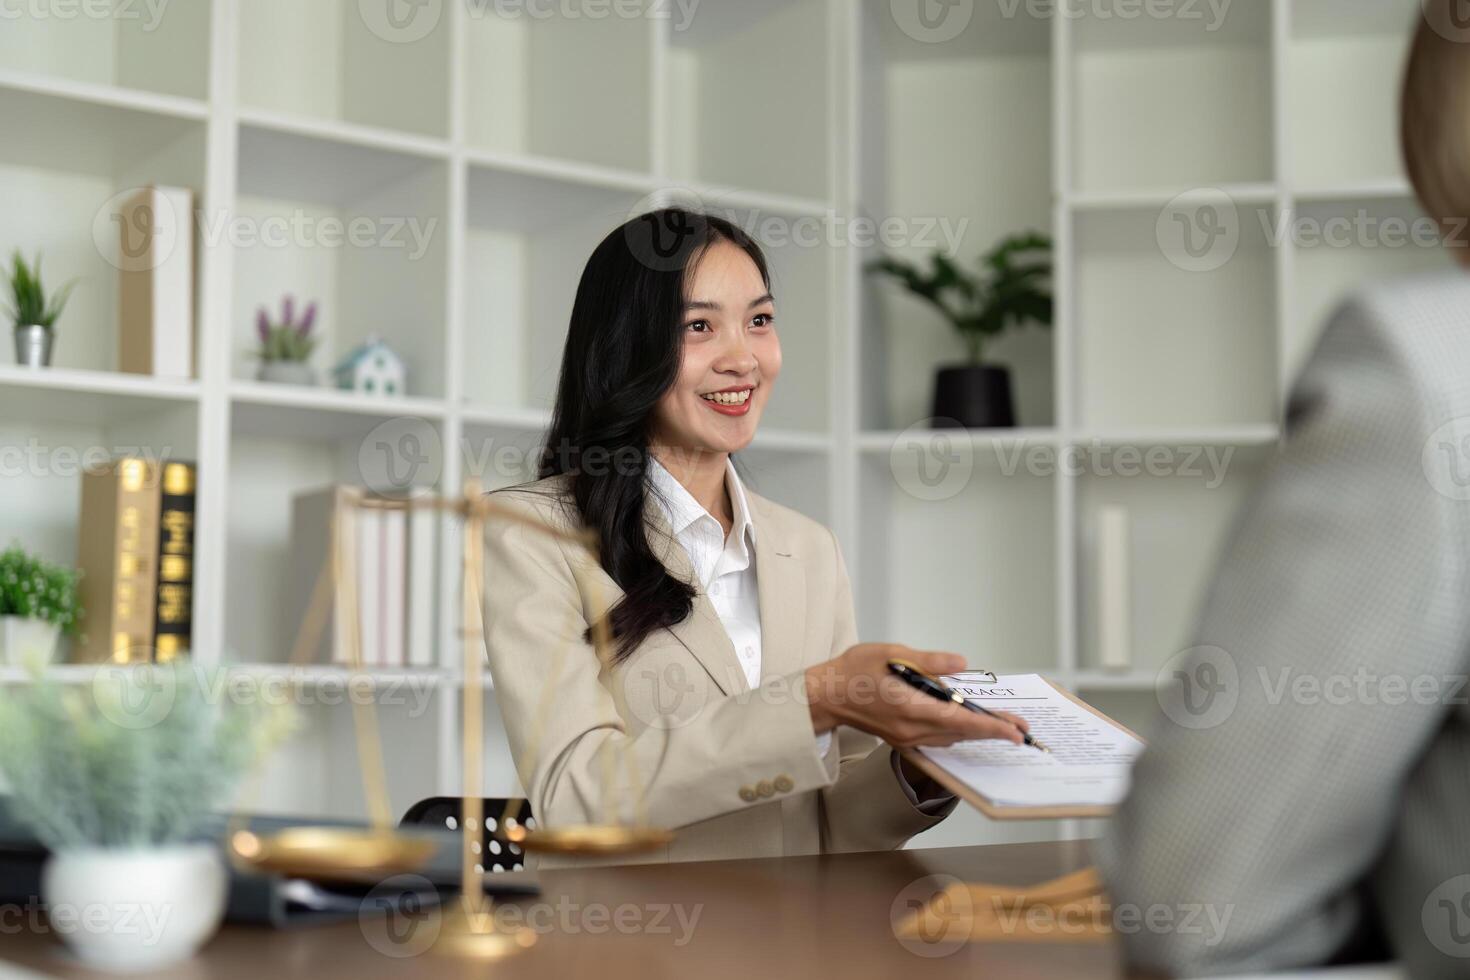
(120, 779)
(38, 603)
(286, 344)
(33, 314)
(1012, 290)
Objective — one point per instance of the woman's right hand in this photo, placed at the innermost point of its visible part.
(857, 690)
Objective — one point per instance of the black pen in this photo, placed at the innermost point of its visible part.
(934, 687)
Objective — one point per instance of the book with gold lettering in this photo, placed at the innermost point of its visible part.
(117, 553)
(173, 609)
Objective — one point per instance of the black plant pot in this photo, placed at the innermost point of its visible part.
(973, 396)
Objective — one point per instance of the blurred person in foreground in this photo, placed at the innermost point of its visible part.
(1312, 779)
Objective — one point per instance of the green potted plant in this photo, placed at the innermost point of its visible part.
(286, 344)
(38, 603)
(33, 314)
(1012, 289)
(119, 779)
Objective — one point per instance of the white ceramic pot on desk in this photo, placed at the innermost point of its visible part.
(24, 640)
(135, 910)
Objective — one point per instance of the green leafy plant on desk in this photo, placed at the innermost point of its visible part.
(1011, 289)
(118, 778)
(38, 603)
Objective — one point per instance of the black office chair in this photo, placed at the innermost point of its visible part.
(447, 812)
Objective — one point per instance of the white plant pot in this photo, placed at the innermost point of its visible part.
(26, 641)
(135, 910)
(287, 373)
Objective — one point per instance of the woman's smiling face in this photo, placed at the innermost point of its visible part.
(731, 356)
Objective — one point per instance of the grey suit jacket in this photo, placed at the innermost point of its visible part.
(674, 735)
(1312, 781)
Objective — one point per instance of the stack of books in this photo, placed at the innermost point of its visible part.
(136, 556)
(394, 554)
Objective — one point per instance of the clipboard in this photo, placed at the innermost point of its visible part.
(980, 802)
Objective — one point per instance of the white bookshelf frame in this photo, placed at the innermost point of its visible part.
(844, 448)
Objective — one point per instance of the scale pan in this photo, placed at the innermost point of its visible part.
(336, 853)
(589, 839)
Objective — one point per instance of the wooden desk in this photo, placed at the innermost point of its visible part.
(756, 920)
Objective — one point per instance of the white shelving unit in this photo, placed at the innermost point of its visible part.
(516, 143)
(1090, 128)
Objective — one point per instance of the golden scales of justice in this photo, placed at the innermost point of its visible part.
(379, 851)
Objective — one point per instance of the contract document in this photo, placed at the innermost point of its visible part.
(1085, 773)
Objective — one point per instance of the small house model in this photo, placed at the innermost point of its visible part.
(372, 369)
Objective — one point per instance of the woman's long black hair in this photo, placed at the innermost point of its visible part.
(623, 352)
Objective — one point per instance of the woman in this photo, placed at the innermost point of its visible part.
(737, 706)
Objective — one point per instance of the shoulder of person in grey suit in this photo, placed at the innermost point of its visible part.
(1310, 740)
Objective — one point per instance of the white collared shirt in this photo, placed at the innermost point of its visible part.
(723, 566)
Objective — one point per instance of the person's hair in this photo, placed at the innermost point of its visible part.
(623, 351)
(1434, 108)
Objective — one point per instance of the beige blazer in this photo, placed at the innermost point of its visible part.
(674, 735)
